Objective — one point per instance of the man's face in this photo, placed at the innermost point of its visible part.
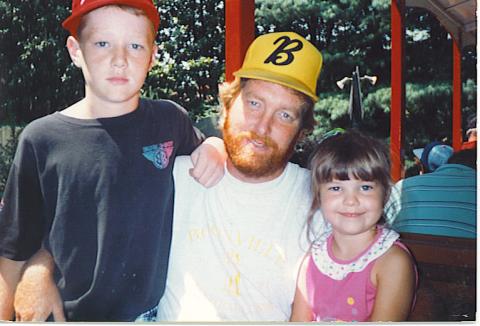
(261, 129)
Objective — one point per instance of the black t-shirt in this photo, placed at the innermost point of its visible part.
(99, 195)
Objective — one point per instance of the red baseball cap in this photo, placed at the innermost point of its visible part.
(81, 7)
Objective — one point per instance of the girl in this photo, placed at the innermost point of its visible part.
(357, 270)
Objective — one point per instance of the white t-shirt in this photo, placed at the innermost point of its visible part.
(236, 247)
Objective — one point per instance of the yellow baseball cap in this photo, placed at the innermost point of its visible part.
(285, 58)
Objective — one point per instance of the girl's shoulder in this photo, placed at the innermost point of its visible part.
(395, 262)
(395, 254)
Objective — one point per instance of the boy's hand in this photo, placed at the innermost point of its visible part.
(209, 162)
(37, 295)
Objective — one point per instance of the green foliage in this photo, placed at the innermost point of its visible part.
(191, 46)
(7, 152)
(36, 77)
(348, 33)
(428, 112)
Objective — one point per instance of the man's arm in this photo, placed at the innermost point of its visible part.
(301, 308)
(10, 272)
(37, 296)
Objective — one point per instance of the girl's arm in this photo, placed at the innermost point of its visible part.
(301, 309)
(395, 278)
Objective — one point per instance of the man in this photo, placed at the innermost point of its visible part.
(432, 156)
(442, 202)
(471, 132)
(236, 247)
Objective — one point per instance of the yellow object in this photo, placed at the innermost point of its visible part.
(285, 58)
(350, 301)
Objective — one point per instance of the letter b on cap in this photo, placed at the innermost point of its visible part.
(284, 54)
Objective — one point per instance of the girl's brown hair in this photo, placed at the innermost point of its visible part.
(346, 155)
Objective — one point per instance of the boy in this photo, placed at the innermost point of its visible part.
(93, 183)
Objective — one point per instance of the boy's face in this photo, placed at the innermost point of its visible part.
(115, 52)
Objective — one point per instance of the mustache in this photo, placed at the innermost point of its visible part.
(251, 135)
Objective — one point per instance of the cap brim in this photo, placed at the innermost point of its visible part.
(418, 153)
(276, 78)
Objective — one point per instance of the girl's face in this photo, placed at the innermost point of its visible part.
(352, 206)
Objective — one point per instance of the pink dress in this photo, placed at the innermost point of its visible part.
(341, 290)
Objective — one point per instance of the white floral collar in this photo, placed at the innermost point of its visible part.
(339, 271)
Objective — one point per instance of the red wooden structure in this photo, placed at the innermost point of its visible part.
(397, 107)
(451, 15)
(240, 28)
(239, 33)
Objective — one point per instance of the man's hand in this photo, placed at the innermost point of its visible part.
(37, 295)
(209, 162)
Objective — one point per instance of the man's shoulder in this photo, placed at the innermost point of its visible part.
(444, 175)
(453, 169)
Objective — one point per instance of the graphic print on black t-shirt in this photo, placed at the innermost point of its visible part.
(159, 154)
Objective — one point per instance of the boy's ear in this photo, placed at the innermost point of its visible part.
(74, 51)
(153, 57)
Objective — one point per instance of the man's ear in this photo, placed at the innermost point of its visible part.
(153, 57)
(73, 47)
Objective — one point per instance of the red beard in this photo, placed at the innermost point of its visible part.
(250, 162)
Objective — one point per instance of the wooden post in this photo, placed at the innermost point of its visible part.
(457, 135)
(397, 112)
(239, 33)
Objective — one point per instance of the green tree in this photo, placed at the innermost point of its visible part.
(37, 78)
(191, 54)
(351, 33)
(348, 32)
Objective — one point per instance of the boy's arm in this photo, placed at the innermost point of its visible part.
(37, 296)
(209, 162)
(10, 272)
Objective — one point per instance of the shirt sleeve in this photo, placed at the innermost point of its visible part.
(189, 137)
(394, 203)
(21, 211)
